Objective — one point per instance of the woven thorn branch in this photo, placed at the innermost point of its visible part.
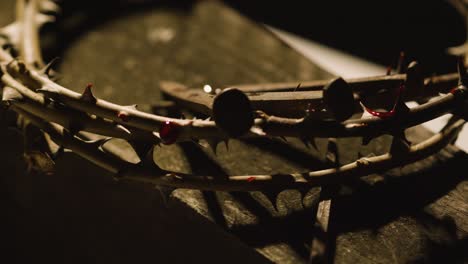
(86, 125)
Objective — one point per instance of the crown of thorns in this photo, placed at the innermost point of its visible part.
(329, 109)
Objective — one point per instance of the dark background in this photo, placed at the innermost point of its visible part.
(375, 30)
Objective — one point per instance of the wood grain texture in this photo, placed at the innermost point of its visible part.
(416, 214)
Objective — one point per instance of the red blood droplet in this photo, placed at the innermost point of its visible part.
(381, 114)
(389, 70)
(250, 179)
(453, 90)
(169, 132)
(123, 116)
(392, 112)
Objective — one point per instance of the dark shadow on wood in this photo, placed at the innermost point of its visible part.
(452, 250)
(288, 152)
(369, 29)
(86, 217)
(370, 207)
(374, 206)
(326, 239)
(296, 230)
(201, 164)
(252, 205)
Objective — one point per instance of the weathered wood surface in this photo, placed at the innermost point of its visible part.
(82, 215)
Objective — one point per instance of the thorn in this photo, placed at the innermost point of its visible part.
(257, 131)
(99, 142)
(304, 191)
(332, 152)
(46, 70)
(147, 160)
(132, 107)
(414, 77)
(58, 153)
(401, 63)
(103, 141)
(165, 193)
(297, 87)
(48, 91)
(389, 71)
(226, 142)
(141, 148)
(10, 94)
(365, 114)
(42, 19)
(157, 138)
(212, 143)
(305, 141)
(49, 6)
(283, 138)
(309, 142)
(87, 95)
(196, 142)
(124, 129)
(272, 196)
(400, 145)
(313, 143)
(366, 140)
(462, 79)
(67, 134)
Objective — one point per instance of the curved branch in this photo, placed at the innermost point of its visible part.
(359, 168)
(137, 172)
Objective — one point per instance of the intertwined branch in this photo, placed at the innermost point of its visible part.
(326, 109)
